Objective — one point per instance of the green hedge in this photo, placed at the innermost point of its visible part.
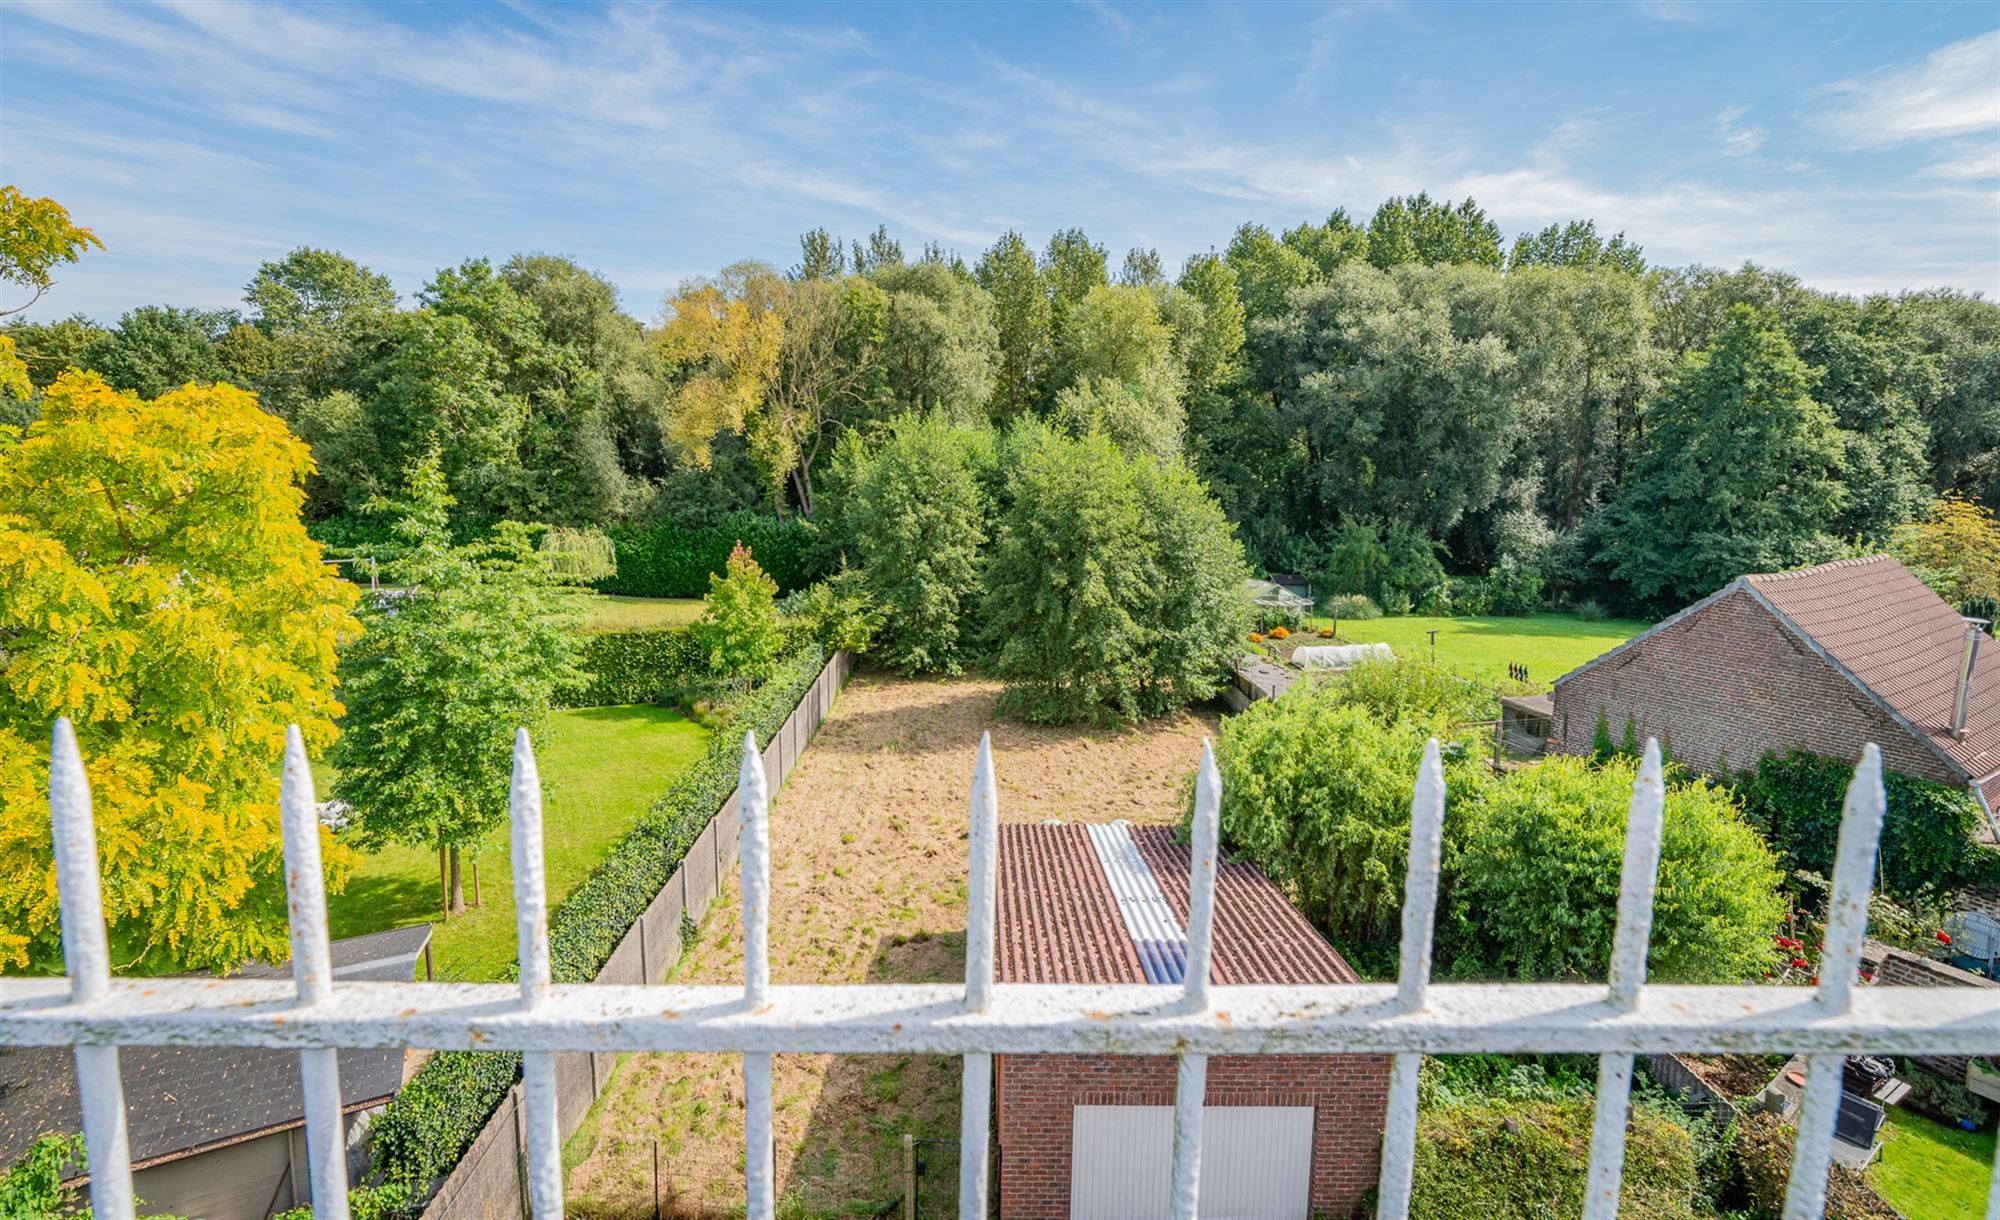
(671, 560)
(638, 666)
(1523, 1160)
(436, 1116)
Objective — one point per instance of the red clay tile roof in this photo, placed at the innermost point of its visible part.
(1059, 923)
(1905, 644)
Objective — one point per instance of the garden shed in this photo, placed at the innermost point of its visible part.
(216, 1132)
(1821, 659)
(1090, 1136)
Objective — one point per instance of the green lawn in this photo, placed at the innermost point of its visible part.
(604, 612)
(1929, 1171)
(1550, 645)
(601, 767)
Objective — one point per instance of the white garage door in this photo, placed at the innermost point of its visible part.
(1256, 1162)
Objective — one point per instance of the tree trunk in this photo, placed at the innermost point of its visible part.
(457, 885)
(802, 489)
(444, 882)
(475, 883)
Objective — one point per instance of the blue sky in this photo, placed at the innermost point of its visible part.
(1858, 145)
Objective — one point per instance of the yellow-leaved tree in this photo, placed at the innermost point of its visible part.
(721, 338)
(158, 588)
(1954, 548)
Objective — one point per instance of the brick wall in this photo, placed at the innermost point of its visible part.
(1726, 685)
(1036, 1093)
(1901, 969)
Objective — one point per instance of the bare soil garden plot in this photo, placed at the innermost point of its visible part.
(868, 885)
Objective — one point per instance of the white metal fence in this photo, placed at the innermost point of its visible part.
(96, 1014)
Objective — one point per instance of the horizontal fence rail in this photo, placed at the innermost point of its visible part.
(1617, 1020)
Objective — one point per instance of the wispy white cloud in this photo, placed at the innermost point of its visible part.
(1970, 163)
(1953, 92)
(1680, 12)
(1739, 139)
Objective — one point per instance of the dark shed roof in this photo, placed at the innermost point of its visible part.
(182, 1100)
(1059, 920)
(179, 1100)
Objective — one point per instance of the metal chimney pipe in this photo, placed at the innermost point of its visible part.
(1973, 635)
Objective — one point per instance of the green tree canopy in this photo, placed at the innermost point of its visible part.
(473, 644)
(1741, 473)
(1534, 887)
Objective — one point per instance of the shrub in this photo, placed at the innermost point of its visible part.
(430, 1123)
(1410, 689)
(1398, 566)
(1512, 587)
(1357, 606)
(1764, 1167)
(1534, 891)
(668, 559)
(838, 613)
(738, 627)
(1943, 1097)
(1524, 1160)
(1590, 610)
(637, 666)
(1116, 587)
(1928, 831)
(578, 556)
(1317, 792)
(33, 1186)
(916, 517)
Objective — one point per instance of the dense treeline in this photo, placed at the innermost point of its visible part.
(1407, 406)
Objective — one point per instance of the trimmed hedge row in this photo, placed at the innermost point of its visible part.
(672, 560)
(637, 666)
(430, 1123)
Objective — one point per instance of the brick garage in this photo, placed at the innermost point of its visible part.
(1062, 920)
(1822, 659)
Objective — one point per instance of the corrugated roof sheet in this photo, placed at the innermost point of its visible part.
(1059, 920)
(1904, 643)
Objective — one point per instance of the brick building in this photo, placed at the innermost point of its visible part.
(1821, 659)
(1090, 1136)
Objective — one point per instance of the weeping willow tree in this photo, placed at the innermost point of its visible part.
(578, 556)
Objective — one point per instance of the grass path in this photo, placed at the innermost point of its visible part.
(1929, 1171)
(1482, 646)
(604, 612)
(601, 768)
(867, 886)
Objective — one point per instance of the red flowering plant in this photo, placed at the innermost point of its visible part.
(1801, 942)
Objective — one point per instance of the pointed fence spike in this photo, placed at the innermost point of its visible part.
(312, 971)
(755, 835)
(982, 849)
(1644, 825)
(87, 958)
(1203, 860)
(1853, 877)
(1420, 887)
(531, 893)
